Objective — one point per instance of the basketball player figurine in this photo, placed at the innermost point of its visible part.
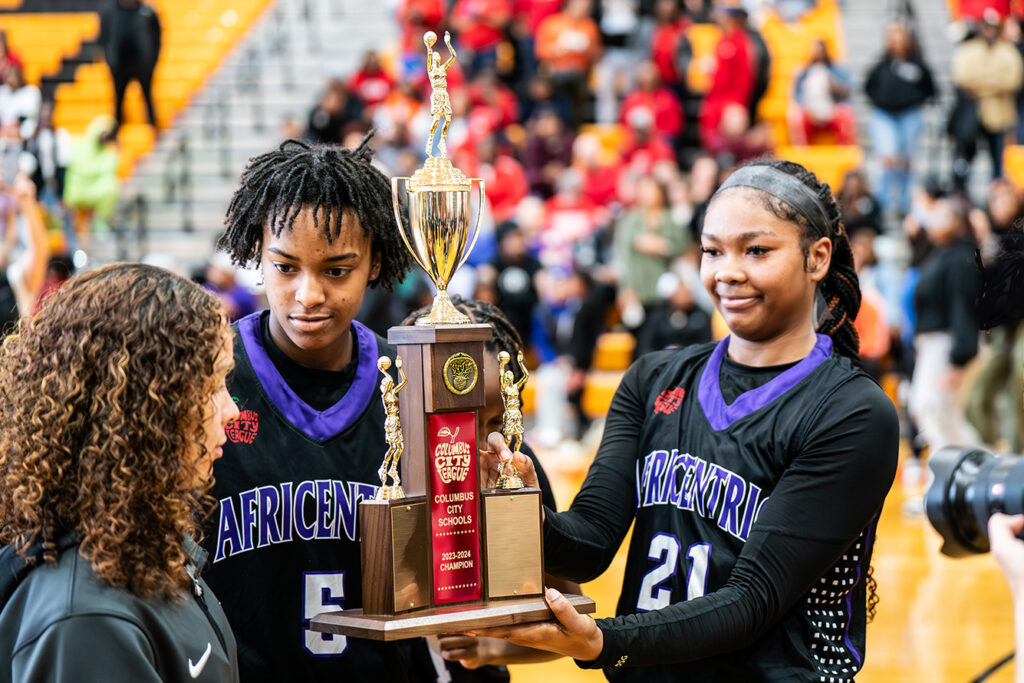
(392, 430)
(512, 421)
(440, 103)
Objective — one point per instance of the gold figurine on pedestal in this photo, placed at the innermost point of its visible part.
(440, 103)
(392, 430)
(512, 420)
(437, 231)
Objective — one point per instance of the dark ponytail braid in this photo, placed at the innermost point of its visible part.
(840, 287)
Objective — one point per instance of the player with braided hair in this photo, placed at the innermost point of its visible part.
(753, 469)
(283, 539)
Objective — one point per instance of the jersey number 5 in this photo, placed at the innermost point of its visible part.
(322, 592)
(666, 547)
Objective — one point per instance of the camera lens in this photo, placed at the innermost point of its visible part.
(969, 485)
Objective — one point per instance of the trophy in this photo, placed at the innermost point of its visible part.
(440, 554)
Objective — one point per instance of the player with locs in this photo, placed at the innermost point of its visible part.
(754, 468)
(310, 436)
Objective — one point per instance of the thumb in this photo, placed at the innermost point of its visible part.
(573, 621)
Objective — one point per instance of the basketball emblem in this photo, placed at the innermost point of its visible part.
(243, 430)
(459, 373)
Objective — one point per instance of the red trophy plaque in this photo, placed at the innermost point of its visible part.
(440, 554)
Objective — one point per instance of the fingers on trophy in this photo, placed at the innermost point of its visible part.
(512, 421)
(392, 430)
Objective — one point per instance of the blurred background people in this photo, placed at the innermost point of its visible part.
(130, 37)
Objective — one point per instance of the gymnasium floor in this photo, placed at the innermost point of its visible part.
(938, 619)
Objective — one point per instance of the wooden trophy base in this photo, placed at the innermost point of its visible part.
(447, 619)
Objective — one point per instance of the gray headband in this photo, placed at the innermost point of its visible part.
(783, 186)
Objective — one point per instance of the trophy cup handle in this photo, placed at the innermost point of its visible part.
(479, 217)
(395, 194)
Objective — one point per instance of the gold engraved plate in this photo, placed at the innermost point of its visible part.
(460, 373)
(513, 545)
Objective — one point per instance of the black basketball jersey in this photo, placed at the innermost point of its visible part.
(704, 471)
(283, 539)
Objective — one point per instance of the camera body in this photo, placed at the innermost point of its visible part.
(969, 486)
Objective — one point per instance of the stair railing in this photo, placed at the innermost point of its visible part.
(178, 180)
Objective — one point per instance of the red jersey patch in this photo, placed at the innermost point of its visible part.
(669, 400)
(243, 430)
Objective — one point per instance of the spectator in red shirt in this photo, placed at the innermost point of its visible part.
(669, 29)
(504, 177)
(600, 177)
(371, 83)
(661, 102)
(480, 27)
(548, 152)
(416, 17)
(487, 91)
(570, 218)
(732, 84)
(644, 147)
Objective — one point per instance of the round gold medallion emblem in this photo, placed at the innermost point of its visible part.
(459, 373)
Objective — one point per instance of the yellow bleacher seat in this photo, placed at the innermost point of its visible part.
(614, 351)
(43, 39)
(829, 162)
(610, 135)
(1013, 164)
(703, 40)
(598, 392)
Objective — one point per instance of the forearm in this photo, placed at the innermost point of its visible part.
(505, 653)
(1018, 635)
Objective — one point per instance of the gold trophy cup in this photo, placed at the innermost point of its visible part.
(438, 197)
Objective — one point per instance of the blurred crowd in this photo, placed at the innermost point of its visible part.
(601, 129)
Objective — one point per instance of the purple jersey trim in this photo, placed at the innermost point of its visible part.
(337, 418)
(709, 392)
(849, 595)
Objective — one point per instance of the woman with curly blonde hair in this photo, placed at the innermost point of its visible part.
(114, 408)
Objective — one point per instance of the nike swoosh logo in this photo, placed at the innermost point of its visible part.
(195, 669)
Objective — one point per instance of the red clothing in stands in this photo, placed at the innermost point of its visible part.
(500, 99)
(600, 184)
(733, 82)
(664, 43)
(533, 12)
(663, 104)
(371, 88)
(417, 17)
(477, 34)
(643, 155)
(973, 9)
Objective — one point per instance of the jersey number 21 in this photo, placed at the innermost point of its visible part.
(666, 547)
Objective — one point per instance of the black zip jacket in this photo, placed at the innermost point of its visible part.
(946, 296)
(62, 623)
(897, 85)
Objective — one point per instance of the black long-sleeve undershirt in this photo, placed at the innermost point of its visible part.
(824, 500)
